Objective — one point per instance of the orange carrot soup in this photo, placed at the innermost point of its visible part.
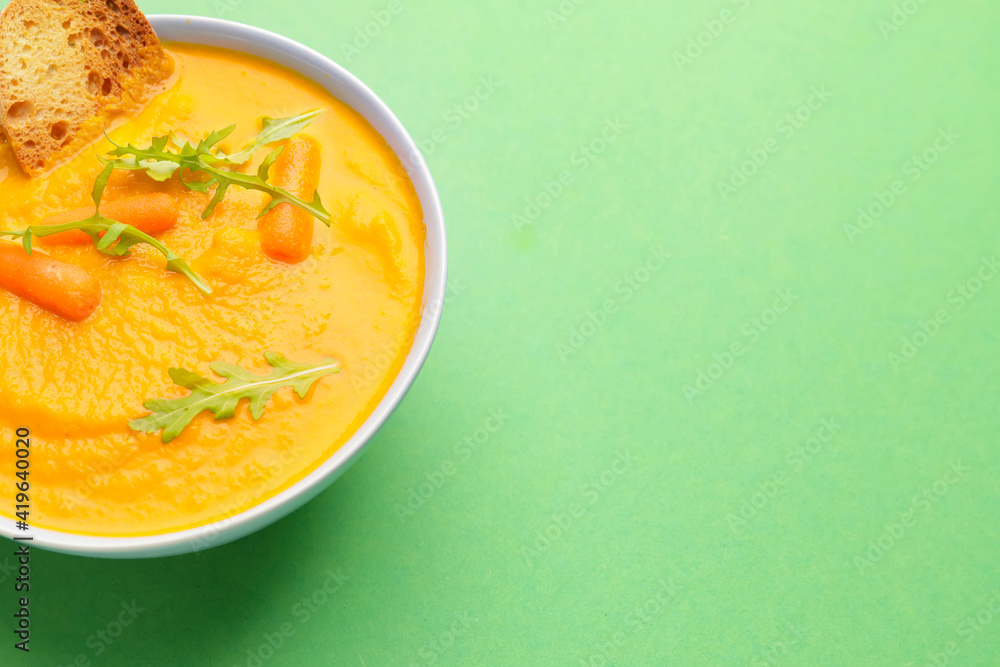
(267, 290)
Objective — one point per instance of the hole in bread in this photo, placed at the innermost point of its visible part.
(29, 144)
(106, 87)
(97, 37)
(51, 70)
(60, 130)
(93, 82)
(24, 64)
(19, 112)
(66, 24)
(105, 54)
(126, 63)
(29, 24)
(122, 30)
(40, 164)
(113, 6)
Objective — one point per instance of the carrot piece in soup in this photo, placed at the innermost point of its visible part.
(286, 231)
(151, 213)
(59, 287)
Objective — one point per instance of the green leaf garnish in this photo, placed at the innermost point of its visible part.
(167, 155)
(148, 159)
(225, 179)
(174, 414)
(117, 240)
(274, 129)
(161, 160)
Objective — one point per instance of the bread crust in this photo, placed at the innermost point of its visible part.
(67, 66)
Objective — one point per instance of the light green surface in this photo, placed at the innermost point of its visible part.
(637, 486)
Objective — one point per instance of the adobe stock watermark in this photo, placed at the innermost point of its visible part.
(255, 475)
(564, 519)
(442, 644)
(785, 129)
(224, 7)
(957, 299)
(913, 170)
(368, 32)
(103, 637)
(796, 460)
(751, 331)
(562, 12)
(302, 611)
(463, 451)
(900, 16)
(970, 627)
(251, 475)
(7, 569)
(387, 353)
(923, 502)
(781, 648)
(453, 290)
(105, 467)
(713, 29)
(604, 653)
(456, 116)
(580, 161)
(626, 288)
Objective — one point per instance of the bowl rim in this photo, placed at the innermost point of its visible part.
(294, 55)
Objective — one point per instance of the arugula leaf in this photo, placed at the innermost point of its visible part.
(225, 179)
(166, 155)
(148, 159)
(274, 129)
(174, 414)
(117, 240)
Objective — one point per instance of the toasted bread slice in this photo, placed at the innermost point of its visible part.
(66, 67)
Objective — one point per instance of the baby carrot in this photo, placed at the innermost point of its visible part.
(60, 288)
(286, 231)
(151, 213)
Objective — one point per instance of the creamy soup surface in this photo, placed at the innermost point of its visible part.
(76, 386)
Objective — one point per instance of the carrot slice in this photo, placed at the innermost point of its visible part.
(59, 287)
(151, 213)
(286, 231)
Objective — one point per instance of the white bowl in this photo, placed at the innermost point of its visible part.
(347, 88)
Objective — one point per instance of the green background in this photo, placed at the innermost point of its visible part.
(678, 531)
